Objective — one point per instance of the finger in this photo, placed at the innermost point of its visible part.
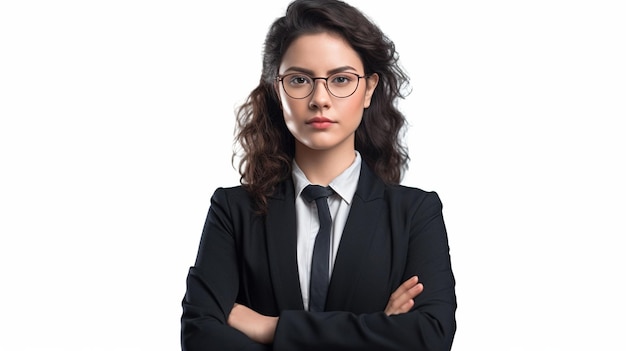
(405, 302)
(397, 302)
(405, 297)
(415, 290)
(407, 291)
(408, 284)
(407, 306)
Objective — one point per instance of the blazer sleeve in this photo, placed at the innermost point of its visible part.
(430, 325)
(212, 285)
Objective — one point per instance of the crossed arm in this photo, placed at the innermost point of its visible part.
(212, 320)
(261, 328)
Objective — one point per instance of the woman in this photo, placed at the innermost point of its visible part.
(323, 114)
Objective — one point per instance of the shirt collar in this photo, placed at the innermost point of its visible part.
(344, 184)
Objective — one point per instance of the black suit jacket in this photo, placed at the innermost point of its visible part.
(392, 233)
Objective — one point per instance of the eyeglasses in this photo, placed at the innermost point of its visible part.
(300, 85)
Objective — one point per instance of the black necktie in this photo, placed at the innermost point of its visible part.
(321, 250)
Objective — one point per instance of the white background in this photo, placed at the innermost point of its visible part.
(116, 127)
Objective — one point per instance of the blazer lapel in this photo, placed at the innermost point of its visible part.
(356, 238)
(282, 247)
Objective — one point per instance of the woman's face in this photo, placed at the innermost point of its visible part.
(322, 121)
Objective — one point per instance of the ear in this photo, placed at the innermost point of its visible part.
(370, 85)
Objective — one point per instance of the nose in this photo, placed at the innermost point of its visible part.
(320, 97)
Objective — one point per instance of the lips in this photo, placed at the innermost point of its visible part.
(320, 122)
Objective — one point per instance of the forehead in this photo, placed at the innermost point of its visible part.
(320, 53)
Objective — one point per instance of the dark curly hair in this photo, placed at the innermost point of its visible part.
(267, 146)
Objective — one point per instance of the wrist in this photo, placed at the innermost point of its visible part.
(269, 330)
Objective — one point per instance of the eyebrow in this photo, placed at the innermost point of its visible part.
(332, 71)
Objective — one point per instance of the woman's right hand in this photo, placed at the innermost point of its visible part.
(401, 301)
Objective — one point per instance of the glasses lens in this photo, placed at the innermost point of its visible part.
(297, 85)
(343, 84)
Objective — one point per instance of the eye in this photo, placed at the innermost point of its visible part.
(298, 80)
(341, 79)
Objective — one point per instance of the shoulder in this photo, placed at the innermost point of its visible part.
(398, 196)
(231, 192)
(412, 194)
(231, 199)
(413, 200)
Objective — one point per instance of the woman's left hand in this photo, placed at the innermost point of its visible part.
(401, 301)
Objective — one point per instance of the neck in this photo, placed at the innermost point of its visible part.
(322, 166)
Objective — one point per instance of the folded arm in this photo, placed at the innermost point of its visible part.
(261, 328)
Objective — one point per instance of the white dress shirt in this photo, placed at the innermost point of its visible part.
(307, 220)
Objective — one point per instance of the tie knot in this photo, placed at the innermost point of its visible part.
(314, 192)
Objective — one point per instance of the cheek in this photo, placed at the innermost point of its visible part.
(293, 110)
(284, 104)
(290, 116)
(287, 111)
(353, 109)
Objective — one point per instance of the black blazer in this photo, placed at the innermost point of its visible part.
(392, 233)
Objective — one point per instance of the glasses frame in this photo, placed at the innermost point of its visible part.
(281, 79)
